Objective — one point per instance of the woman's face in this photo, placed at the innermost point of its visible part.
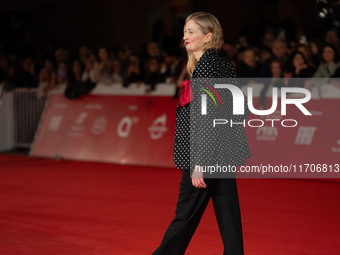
(48, 64)
(298, 60)
(153, 65)
(304, 51)
(88, 64)
(249, 58)
(44, 74)
(279, 49)
(275, 69)
(265, 54)
(268, 39)
(62, 66)
(153, 49)
(133, 60)
(116, 66)
(103, 56)
(193, 37)
(76, 67)
(328, 54)
(314, 48)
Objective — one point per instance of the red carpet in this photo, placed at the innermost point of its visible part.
(62, 207)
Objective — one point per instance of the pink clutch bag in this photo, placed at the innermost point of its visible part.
(185, 93)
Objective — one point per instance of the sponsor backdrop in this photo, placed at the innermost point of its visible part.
(140, 130)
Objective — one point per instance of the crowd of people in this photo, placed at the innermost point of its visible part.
(105, 66)
(301, 59)
(274, 57)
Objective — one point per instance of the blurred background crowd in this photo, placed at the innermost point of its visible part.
(279, 51)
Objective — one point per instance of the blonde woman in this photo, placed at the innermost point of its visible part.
(203, 37)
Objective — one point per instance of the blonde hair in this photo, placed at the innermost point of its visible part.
(208, 23)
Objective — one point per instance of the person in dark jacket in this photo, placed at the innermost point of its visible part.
(153, 75)
(196, 145)
(276, 80)
(26, 76)
(280, 52)
(299, 67)
(249, 67)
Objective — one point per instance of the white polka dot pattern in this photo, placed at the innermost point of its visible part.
(223, 145)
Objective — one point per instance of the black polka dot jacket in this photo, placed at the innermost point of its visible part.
(196, 141)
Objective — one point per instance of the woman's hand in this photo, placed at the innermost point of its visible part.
(197, 177)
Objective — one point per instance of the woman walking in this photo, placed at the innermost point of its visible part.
(196, 146)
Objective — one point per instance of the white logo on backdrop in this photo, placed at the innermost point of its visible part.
(99, 125)
(77, 130)
(305, 135)
(54, 123)
(158, 127)
(125, 125)
(336, 149)
(81, 118)
(266, 133)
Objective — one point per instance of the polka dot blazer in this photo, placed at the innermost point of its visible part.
(196, 141)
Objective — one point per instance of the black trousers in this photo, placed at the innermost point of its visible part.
(191, 204)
